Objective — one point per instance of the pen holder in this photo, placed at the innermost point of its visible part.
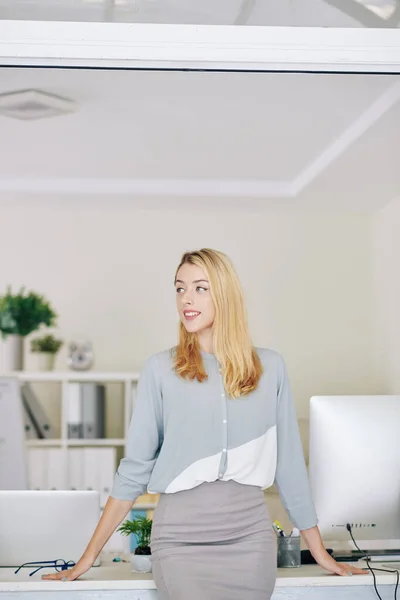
(289, 554)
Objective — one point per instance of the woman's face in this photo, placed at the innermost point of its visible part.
(193, 299)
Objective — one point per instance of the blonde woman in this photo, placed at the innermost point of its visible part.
(213, 426)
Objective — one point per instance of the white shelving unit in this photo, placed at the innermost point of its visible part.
(70, 443)
(129, 381)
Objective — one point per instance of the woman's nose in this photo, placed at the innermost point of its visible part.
(187, 298)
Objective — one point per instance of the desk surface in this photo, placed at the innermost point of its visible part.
(118, 576)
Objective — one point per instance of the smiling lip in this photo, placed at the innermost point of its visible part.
(190, 315)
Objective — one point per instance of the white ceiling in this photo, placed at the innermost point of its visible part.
(293, 13)
(228, 140)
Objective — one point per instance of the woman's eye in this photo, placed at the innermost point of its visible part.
(179, 290)
(201, 288)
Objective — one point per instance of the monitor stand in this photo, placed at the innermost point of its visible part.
(392, 554)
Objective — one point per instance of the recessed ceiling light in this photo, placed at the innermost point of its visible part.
(34, 104)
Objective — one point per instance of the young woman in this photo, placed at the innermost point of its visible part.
(214, 425)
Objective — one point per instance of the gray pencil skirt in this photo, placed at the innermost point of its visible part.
(214, 542)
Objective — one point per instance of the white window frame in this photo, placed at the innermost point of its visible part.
(121, 45)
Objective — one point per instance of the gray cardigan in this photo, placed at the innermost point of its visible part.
(184, 433)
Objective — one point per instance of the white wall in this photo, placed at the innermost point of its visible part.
(108, 270)
(386, 261)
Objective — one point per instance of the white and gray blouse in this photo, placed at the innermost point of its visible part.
(184, 433)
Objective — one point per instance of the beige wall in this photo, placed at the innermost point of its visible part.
(386, 255)
(108, 270)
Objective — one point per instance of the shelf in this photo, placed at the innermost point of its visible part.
(41, 443)
(77, 376)
(98, 442)
(143, 506)
(77, 442)
(78, 454)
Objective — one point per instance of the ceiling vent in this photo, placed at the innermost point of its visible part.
(34, 104)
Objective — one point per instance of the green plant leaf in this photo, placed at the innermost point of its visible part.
(47, 343)
(22, 313)
(141, 527)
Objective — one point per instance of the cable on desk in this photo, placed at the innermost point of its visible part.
(372, 569)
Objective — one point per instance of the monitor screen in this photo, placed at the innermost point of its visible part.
(354, 468)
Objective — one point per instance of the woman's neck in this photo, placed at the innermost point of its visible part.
(206, 341)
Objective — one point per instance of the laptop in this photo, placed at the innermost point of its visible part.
(46, 525)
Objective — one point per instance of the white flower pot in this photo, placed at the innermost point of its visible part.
(45, 361)
(13, 353)
(141, 563)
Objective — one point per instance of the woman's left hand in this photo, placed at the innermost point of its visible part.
(313, 539)
(343, 569)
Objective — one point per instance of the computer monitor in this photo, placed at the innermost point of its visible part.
(354, 468)
(46, 525)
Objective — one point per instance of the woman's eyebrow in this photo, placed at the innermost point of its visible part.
(195, 281)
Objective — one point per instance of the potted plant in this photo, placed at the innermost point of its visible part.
(46, 349)
(20, 314)
(141, 527)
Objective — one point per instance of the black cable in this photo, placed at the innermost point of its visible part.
(372, 569)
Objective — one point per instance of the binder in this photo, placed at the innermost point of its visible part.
(74, 411)
(93, 410)
(91, 469)
(37, 468)
(75, 469)
(107, 463)
(99, 466)
(56, 473)
(86, 411)
(29, 426)
(36, 412)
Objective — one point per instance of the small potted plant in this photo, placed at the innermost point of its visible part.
(141, 527)
(20, 314)
(46, 349)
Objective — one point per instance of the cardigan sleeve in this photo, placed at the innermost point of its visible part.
(291, 476)
(145, 436)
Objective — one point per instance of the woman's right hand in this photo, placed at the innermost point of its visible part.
(79, 569)
(113, 513)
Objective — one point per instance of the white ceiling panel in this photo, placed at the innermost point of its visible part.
(366, 176)
(250, 140)
(303, 13)
(292, 13)
(131, 11)
(178, 125)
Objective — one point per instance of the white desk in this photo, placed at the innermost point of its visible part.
(115, 581)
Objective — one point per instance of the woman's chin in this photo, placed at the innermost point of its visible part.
(196, 327)
(192, 328)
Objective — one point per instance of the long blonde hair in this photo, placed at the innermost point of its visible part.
(233, 348)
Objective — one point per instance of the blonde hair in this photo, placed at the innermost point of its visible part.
(233, 348)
